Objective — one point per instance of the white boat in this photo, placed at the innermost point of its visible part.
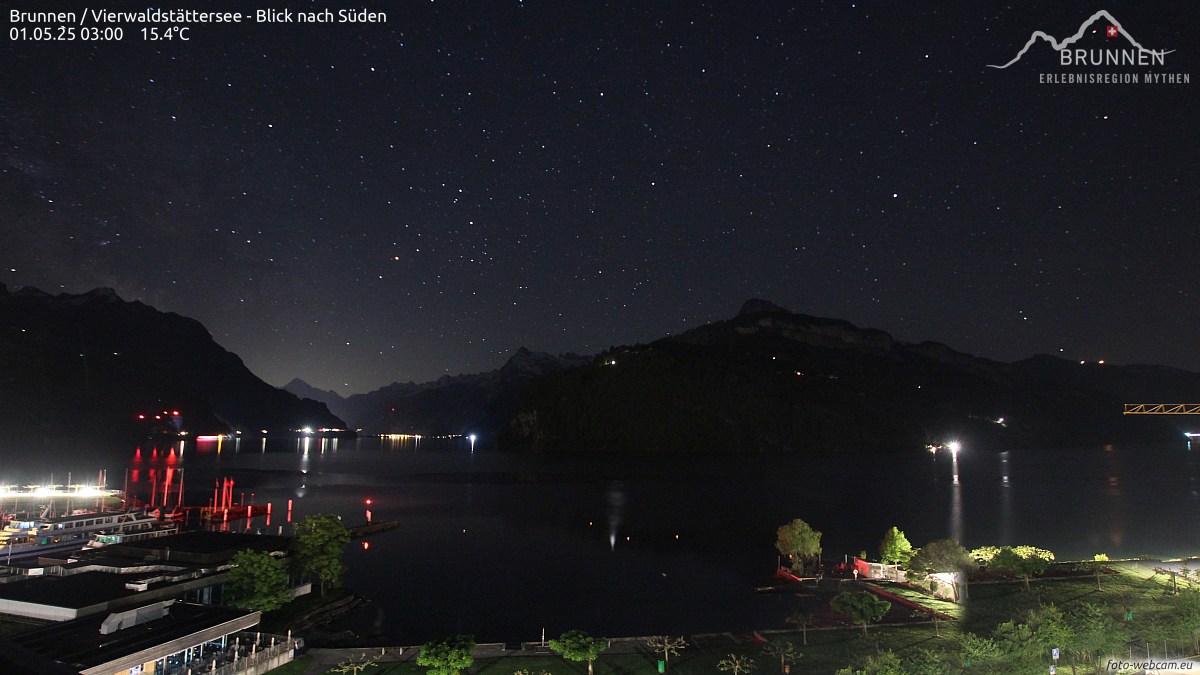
(41, 536)
(161, 529)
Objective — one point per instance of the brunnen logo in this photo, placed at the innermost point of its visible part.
(1150, 62)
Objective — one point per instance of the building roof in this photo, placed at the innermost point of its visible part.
(76, 591)
(200, 547)
(80, 645)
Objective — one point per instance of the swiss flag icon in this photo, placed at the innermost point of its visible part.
(1112, 31)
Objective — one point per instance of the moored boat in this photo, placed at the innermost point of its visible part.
(29, 537)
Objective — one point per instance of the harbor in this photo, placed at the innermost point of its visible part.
(67, 519)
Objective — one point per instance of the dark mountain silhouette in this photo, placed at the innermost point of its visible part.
(87, 365)
(772, 380)
(480, 403)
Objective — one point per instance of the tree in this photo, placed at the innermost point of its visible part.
(1185, 615)
(738, 664)
(353, 667)
(1046, 628)
(799, 542)
(667, 646)
(1026, 551)
(895, 548)
(447, 656)
(981, 651)
(862, 606)
(1009, 561)
(802, 620)
(1012, 646)
(943, 555)
(317, 545)
(886, 663)
(784, 649)
(258, 581)
(928, 662)
(1093, 633)
(576, 645)
(1097, 567)
(984, 554)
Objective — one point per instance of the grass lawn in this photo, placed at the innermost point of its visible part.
(1136, 588)
(298, 666)
(923, 599)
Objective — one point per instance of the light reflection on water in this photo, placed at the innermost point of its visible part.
(504, 545)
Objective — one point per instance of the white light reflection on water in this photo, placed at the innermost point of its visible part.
(617, 498)
(956, 510)
(1006, 504)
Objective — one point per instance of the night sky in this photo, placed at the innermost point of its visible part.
(356, 204)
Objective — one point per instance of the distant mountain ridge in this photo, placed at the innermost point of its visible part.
(772, 380)
(480, 403)
(767, 379)
(87, 365)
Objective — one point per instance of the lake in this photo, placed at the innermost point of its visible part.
(504, 545)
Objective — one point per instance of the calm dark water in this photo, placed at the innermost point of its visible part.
(503, 546)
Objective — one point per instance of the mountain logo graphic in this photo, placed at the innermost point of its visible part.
(1113, 30)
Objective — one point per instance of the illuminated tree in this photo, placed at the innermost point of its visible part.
(667, 646)
(735, 663)
(895, 548)
(1009, 561)
(448, 656)
(799, 542)
(862, 606)
(1097, 566)
(317, 545)
(576, 645)
(258, 581)
(943, 555)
